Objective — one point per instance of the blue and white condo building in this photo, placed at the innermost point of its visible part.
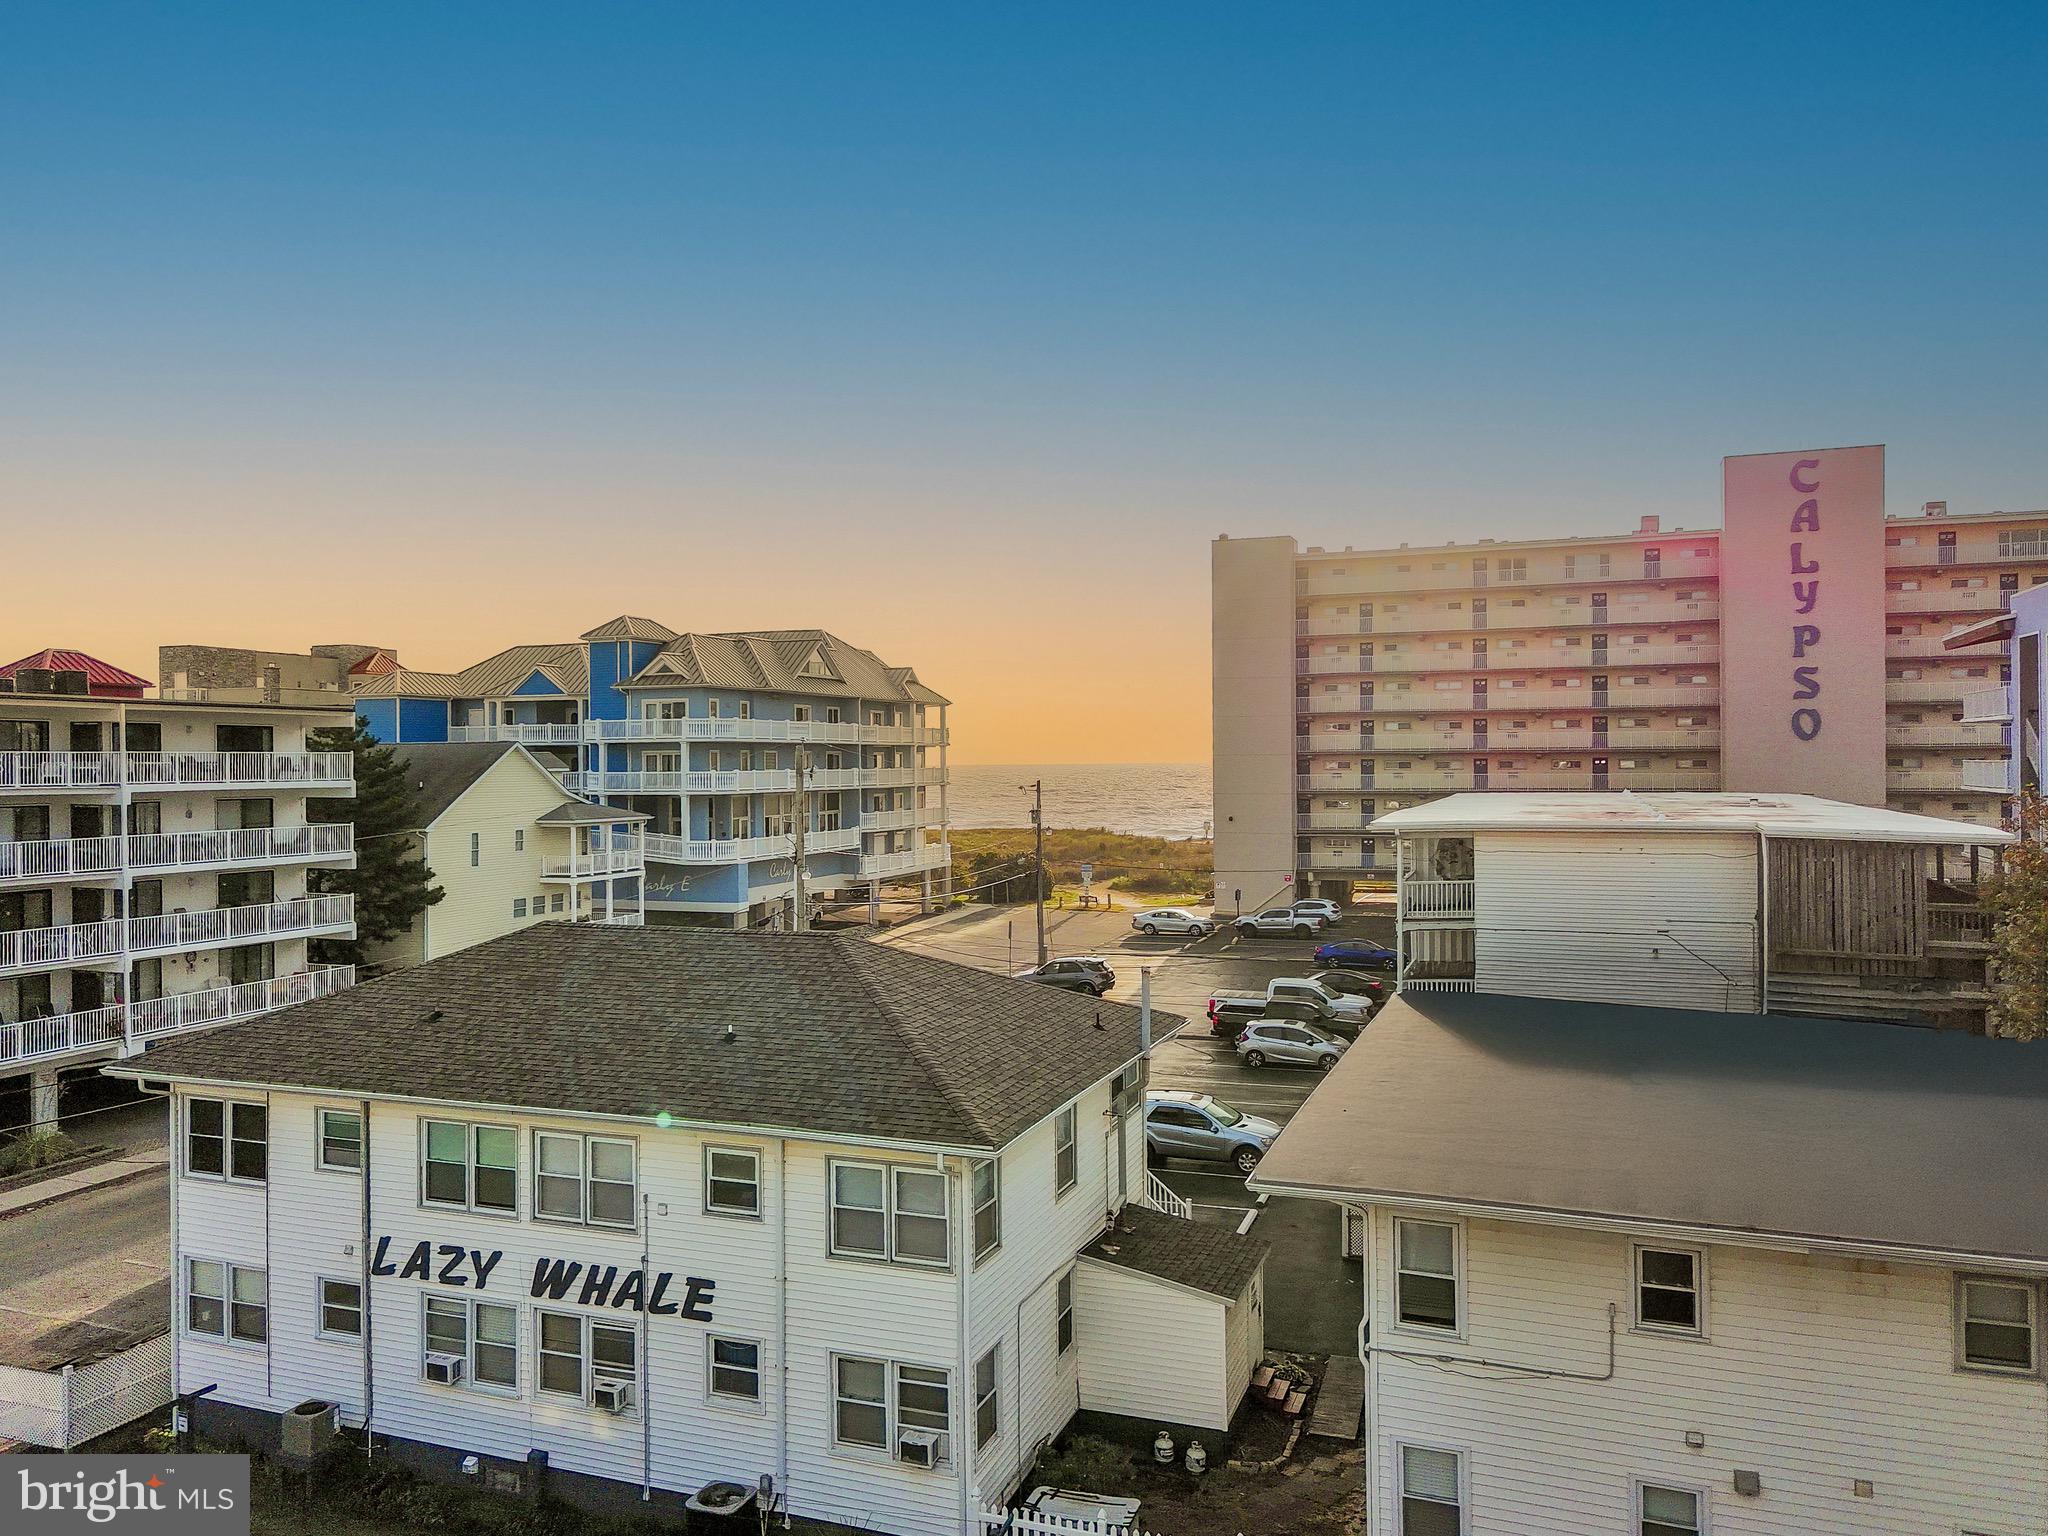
(736, 746)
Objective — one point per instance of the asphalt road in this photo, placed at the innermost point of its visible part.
(1313, 1300)
(86, 1271)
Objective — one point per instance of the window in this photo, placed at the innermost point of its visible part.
(732, 1181)
(735, 1369)
(519, 839)
(578, 1354)
(987, 1418)
(1432, 1492)
(583, 1178)
(472, 1166)
(1066, 1172)
(555, 902)
(924, 1401)
(860, 1403)
(897, 1214)
(341, 1140)
(1666, 1511)
(1668, 1289)
(1426, 1275)
(801, 713)
(1997, 1324)
(482, 1334)
(519, 906)
(988, 1209)
(1063, 1312)
(341, 1309)
(227, 1140)
(476, 849)
(227, 1301)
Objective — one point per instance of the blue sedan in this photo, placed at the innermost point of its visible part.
(1356, 952)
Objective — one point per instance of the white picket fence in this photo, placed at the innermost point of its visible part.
(1020, 1522)
(64, 1409)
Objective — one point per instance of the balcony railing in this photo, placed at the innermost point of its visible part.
(698, 850)
(1974, 736)
(1942, 689)
(175, 932)
(1436, 898)
(667, 781)
(59, 859)
(1987, 706)
(1946, 600)
(622, 855)
(60, 770)
(556, 735)
(152, 1018)
(216, 770)
(904, 861)
(839, 731)
(34, 949)
(1992, 776)
(248, 845)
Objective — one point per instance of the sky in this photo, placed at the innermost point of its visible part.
(961, 330)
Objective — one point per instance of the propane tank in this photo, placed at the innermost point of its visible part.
(1197, 1459)
(1162, 1448)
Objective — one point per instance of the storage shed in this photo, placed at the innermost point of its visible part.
(1172, 1319)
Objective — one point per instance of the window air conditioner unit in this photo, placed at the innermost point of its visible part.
(919, 1447)
(445, 1369)
(611, 1396)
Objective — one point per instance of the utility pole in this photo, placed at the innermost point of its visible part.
(1037, 788)
(801, 915)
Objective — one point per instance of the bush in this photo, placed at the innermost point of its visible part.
(35, 1149)
(1085, 1461)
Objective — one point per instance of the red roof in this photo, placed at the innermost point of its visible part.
(98, 674)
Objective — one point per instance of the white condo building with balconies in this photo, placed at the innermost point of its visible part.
(154, 855)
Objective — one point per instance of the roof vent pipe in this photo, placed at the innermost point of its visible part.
(1145, 1010)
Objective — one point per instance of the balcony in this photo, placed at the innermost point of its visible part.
(58, 859)
(1437, 899)
(905, 861)
(86, 772)
(246, 848)
(668, 781)
(1353, 822)
(841, 731)
(1992, 776)
(1987, 706)
(604, 858)
(665, 849)
(1979, 738)
(128, 1026)
(1370, 581)
(1930, 690)
(173, 933)
(1963, 600)
(569, 734)
(1538, 614)
(1942, 775)
(50, 949)
(1352, 857)
(899, 820)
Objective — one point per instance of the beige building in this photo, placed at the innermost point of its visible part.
(1350, 683)
(510, 847)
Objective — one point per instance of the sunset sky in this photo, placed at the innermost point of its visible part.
(961, 330)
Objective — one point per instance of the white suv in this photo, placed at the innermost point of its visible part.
(1173, 920)
(1328, 911)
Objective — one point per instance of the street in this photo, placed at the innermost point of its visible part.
(85, 1273)
(1313, 1293)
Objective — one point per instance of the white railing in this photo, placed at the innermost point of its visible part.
(665, 781)
(156, 1016)
(60, 770)
(175, 931)
(622, 856)
(1436, 898)
(1954, 923)
(245, 845)
(1440, 984)
(621, 920)
(879, 866)
(1993, 776)
(213, 769)
(30, 949)
(60, 1034)
(1986, 706)
(723, 729)
(121, 1024)
(567, 734)
(890, 821)
(1162, 1198)
(64, 1409)
(60, 857)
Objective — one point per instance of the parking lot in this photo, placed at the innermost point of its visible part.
(1313, 1301)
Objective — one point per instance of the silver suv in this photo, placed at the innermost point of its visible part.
(1287, 1044)
(1179, 1124)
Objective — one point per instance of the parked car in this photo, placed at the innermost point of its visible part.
(1173, 920)
(1318, 1003)
(1287, 1044)
(1329, 911)
(1357, 952)
(1181, 1124)
(1075, 974)
(1281, 920)
(1357, 983)
(1229, 1013)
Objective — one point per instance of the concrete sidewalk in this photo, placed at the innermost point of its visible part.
(60, 1184)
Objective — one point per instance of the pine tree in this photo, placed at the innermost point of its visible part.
(392, 886)
(2017, 899)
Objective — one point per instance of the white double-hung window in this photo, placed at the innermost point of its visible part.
(905, 1410)
(1432, 1492)
(579, 1355)
(583, 1178)
(227, 1301)
(1426, 1275)
(473, 1167)
(988, 1208)
(732, 1181)
(465, 1340)
(1664, 1511)
(897, 1214)
(1997, 1324)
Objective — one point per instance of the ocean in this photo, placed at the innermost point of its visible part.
(1140, 799)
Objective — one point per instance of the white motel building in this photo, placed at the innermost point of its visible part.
(633, 1210)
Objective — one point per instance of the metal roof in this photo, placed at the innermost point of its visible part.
(98, 674)
(1626, 810)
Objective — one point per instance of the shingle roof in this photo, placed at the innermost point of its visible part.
(578, 812)
(780, 661)
(832, 1036)
(440, 771)
(1833, 1130)
(1194, 1254)
(626, 627)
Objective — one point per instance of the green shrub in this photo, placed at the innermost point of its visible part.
(1084, 1461)
(35, 1149)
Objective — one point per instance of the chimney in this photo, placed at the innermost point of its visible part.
(1145, 1010)
(273, 683)
(1651, 523)
(1935, 509)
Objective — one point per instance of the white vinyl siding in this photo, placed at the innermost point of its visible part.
(1666, 922)
(1820, 1370)
(1120, 1318)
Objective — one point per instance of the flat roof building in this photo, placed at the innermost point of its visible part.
(1800, 648)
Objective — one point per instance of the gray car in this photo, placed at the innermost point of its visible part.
(1287, 1044)
(1194, 1125)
